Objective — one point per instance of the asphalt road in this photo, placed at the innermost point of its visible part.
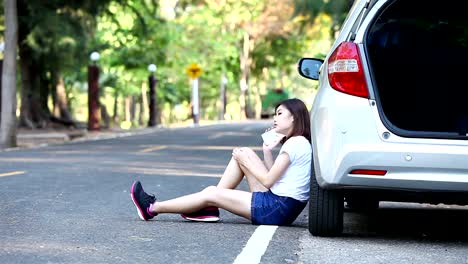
(70, 203)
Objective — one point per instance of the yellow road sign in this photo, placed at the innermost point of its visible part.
(194, 70)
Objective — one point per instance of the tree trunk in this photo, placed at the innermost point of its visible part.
(127, 106)
(245, 62)
(115, 115)
(105, 115)
(26, 90)
(25, 54)
(143, 104)
(45, 89)
(8, 113)
(61, 101)
(140, 111)
(132, 109)
(31, 112)
(1, 69)
(222, 97)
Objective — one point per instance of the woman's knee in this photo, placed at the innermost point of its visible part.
(244, 151)
(247, 150)
(210, 194)
(210, 189)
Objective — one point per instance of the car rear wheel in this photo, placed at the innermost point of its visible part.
(325, 209)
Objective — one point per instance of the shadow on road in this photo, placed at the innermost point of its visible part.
(428, 223)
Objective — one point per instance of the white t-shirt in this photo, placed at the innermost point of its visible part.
(295, 182)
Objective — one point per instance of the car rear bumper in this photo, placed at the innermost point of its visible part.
(408, 166)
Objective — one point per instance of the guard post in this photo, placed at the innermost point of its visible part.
(94, 110)
(194, 71)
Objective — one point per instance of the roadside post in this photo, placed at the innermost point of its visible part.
(152, 96)
(194, 71)
(94, 110)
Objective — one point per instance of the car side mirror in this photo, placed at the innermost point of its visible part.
(310, 68)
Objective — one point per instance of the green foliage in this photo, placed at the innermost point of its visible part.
(278, 52)
(131, 34)
(56, 31)
(309, 9)
(198, 37)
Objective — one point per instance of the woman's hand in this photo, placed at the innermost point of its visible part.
(268, 146)
(241, 156)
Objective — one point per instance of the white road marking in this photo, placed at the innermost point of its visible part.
(256, 246)
(151, 149)
(12, 173)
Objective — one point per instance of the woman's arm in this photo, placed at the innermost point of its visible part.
(267, 157)
(278, 168)
(267, 148)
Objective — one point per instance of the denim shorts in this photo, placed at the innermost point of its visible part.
(271, 209)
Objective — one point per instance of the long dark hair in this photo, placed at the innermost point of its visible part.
(301, 123)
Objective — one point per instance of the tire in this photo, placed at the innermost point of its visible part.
(325, 209)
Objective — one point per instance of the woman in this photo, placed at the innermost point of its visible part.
(279, 188)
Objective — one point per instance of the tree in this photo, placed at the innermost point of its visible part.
(337, 9)
(272, 25)
(52, 41)
(8, 113)
(259, 26)
(130, 35)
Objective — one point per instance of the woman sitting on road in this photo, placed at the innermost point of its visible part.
(279, 189)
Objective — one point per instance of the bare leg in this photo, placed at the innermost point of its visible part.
(223, 195)
(233, 174)
(235, 201)
(254, 184)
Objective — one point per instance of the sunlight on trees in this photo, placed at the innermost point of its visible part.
(253, 43)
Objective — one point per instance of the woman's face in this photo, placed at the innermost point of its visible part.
(283, 121)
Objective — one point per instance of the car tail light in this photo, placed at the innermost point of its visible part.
(345, 70)
(369, 172)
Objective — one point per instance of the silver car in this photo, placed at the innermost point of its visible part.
(390, 119)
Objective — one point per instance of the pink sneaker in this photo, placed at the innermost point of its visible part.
(208, 214)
